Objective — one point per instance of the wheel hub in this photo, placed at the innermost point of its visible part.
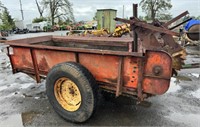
(67, 94)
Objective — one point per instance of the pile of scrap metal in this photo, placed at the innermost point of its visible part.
(154, 36)
(158, 36)
(90, 33)
(121, 30)
(118, 32)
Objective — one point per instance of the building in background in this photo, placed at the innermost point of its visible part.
(105, 19)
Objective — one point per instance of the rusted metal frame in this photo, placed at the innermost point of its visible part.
(120, 77)
(112, 84)
(43, 72)
(94, 43)
(180, 24)
(19, 69)
(135, 42)
(35, 65)
(11, 61)
(3, 41)
(140, 79)
(77, 57)
(30, 40)
(25, 70)
(80, 50)
(92, 39)
(157, 77)
(107, 87)
(176, 18)
(147, 26)
(105, 42)
(30, 71)
(130, 45)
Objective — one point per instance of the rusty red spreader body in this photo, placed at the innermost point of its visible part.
(140, 68)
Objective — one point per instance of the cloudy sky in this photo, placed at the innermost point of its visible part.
(85, 9)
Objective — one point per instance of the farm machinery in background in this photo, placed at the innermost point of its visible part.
(119, 31)
(147, 33)
(191, 33)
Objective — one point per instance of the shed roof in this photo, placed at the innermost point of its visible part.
(106, 10)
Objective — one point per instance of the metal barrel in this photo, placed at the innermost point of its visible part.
(194, 32)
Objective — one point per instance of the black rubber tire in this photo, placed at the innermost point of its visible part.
(86, 84)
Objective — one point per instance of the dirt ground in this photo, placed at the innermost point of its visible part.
(23, 102)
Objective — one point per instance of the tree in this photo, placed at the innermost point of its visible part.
(40, 8)
(7, 21)
(61, 9)
(141, 17)
(38, 20)
(154, 8)
(193, 17)
(198, 17)
(165, 16)
(64, 22)
(1, 6)
(95, 16)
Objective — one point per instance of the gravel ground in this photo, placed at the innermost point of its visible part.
(23, 102)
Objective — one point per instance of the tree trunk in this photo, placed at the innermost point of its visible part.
(52, 20)
(39, 8)
(153, 15)
(52, 12)
(152, 11)
(41, 14)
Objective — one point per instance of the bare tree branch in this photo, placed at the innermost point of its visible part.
(40, 8)
(59, 9)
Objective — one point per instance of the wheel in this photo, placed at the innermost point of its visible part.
(72, 91)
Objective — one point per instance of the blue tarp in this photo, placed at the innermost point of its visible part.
(191, 23)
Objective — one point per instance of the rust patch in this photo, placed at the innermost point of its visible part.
(126, 79)
(43, 65)
(111, 80)
(26, 62)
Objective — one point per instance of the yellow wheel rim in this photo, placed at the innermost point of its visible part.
(67, 94)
